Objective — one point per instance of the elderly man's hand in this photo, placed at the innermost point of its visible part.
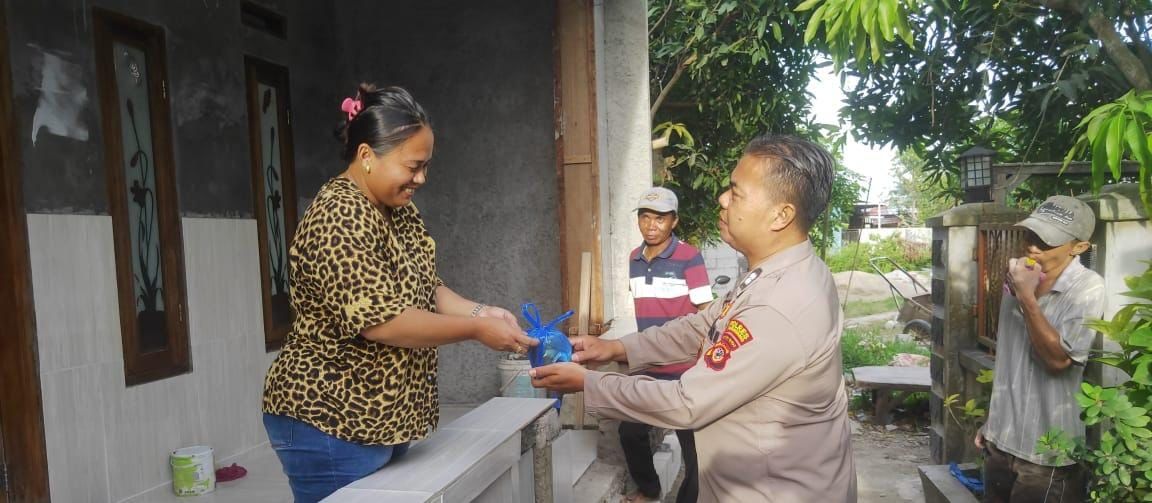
(562, 377)
(1024, 274)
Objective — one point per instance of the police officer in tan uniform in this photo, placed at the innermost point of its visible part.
(766, 394)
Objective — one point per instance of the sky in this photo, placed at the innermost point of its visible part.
(874, 164)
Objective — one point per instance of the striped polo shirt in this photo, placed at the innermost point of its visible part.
(668, 287)
(1028, 401)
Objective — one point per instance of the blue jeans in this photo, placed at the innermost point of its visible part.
(318, 464)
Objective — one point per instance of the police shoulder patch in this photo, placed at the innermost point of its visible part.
(735, 335)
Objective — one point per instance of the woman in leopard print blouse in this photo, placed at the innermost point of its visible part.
(356, 380)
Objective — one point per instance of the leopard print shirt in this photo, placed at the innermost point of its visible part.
(351, 270)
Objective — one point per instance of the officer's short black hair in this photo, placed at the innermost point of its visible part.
(798, 171)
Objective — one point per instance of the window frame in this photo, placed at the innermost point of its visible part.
(258, 71)
(175, 358)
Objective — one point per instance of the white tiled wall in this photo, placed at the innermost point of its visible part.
(109, 442)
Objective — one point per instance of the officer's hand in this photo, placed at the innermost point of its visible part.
(562, 377)
(979, 440)
(590, 350)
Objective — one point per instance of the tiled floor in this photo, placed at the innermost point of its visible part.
(265, 483)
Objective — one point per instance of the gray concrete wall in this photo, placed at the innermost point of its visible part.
(51, 41)
(483, 71)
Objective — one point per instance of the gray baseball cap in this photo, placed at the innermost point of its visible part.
(658, 199)
(1060, 219)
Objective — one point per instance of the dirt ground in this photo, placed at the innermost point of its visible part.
(886, 462)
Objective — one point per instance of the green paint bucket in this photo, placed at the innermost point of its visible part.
(192, 471)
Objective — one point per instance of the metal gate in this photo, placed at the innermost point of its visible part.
(996, 244)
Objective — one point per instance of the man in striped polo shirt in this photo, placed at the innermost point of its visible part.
(668, 280)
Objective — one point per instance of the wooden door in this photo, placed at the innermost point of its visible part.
(23, 459)
(578, 162)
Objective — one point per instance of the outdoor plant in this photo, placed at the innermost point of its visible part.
(971, 414)
(1120, 467)
(1031, 66)
(855, 256)
(1113, 130)
(863, 347)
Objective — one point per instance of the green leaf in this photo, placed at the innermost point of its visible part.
(1132, 101)
(1084, 401)
(1100, 157)
(814, 24)
(1116, 144)
(875, 46)
(808, 4)
(1141, 338)
(887, 25)
(986, 376)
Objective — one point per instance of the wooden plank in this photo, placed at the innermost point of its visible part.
(901, 378)
(576, 148)
(579, 231)
(585, 293)
(577, 78)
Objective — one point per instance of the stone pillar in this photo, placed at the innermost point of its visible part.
(626, 170)
(955, 235)
(1121, 242)
(626, 140)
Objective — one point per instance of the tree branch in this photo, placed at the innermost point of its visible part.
(667, 9)
(1142, 47)
(671, 82)
(1118, 52)
(1115, 46)
(684, 66)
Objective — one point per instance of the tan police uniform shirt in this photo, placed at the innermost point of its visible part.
(766, 395)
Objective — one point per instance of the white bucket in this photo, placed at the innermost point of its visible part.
(515, 381)
(192, 471)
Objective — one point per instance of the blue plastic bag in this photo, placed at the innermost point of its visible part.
(973, 484)
(554, 346)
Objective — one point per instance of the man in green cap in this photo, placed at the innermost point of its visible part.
(1041, 347)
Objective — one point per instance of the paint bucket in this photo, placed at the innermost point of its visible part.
(192, 471)
(514, 379)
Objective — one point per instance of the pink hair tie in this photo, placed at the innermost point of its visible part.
(352, 107)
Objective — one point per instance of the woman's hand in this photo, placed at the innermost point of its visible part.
(499, 334)
(500, 314)
(594, 350)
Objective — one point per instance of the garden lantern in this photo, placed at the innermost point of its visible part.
(976, 174)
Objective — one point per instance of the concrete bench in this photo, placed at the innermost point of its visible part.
(890, 385)
(499, 452)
